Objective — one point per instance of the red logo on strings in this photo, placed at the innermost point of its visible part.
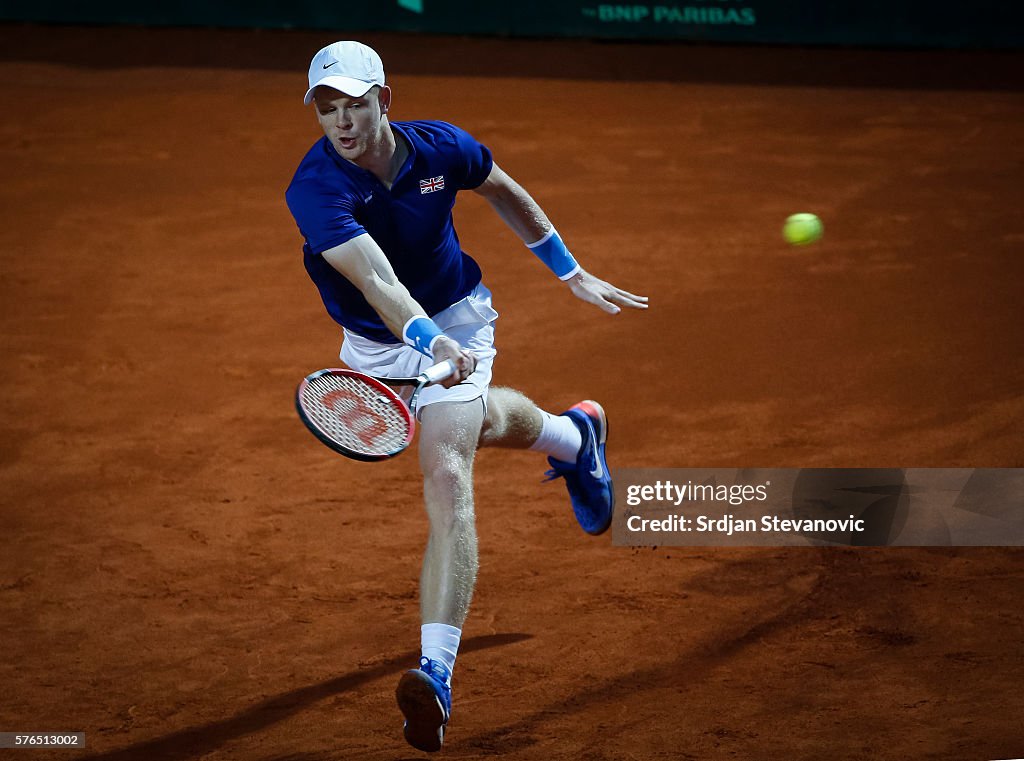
(353, 411)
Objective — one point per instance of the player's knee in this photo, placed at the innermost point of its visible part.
(449, 476)
(449, 472)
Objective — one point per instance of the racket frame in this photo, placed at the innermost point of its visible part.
(330, 442)
(384, 385)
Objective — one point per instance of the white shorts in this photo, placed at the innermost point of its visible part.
(470, 322)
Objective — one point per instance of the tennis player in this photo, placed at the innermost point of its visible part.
(373, 200)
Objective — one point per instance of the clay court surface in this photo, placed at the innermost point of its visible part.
(186, 573)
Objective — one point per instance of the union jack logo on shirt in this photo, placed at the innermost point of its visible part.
(434, 183)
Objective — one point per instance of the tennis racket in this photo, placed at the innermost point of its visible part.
(361, 416)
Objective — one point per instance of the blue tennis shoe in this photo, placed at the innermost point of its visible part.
(425, 700)
(588, 480)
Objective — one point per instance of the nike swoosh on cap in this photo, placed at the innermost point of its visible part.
(329, 65)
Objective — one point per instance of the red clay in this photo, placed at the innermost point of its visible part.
(188, 574)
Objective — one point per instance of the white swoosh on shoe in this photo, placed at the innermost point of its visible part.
(597, 472)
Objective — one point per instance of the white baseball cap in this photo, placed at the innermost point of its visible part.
(349, 66)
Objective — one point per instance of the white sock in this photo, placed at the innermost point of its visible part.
(559, 437)
(440, 642)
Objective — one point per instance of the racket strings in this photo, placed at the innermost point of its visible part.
(355, 414)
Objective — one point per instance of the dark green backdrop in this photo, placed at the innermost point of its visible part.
(910, 23)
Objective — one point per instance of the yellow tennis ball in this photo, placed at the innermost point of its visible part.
(801, 229)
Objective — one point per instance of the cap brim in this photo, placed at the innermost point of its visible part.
(355, 88)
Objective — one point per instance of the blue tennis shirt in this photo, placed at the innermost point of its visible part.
(333, 201)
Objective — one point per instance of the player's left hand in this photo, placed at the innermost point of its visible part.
(605, 295)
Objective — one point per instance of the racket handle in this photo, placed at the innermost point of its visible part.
(439, 371)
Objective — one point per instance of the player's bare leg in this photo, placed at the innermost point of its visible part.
(512, 420)
(574, 442)
(449, 433)
(448, 436)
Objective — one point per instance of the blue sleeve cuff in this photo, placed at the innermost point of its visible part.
(556, 257)
(420, 332)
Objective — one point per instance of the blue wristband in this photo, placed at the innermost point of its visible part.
(420, 332)
(552, 251)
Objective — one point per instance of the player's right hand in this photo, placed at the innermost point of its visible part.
(464, 361)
